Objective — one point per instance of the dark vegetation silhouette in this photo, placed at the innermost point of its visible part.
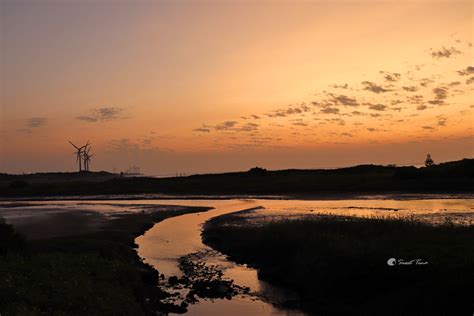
(257, 171)
(338, 265)
(429, 161)
(10, 241)
(455, 176)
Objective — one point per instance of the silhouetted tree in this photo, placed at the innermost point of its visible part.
(429, 162)
(257, 171)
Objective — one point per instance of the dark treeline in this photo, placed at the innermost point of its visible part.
(456, 176)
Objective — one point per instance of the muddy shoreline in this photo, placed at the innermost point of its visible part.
(323, 196)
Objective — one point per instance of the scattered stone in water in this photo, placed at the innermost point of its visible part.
(200, 280)
(173, 280)
(191, 298)
(184, 281)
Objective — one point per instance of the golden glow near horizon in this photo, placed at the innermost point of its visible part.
(200, 87)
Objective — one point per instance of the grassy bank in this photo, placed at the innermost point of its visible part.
(456, 176)
(96, 273)
(338, 265)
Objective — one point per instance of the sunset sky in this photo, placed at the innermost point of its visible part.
(211, 86)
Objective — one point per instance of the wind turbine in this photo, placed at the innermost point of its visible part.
(79, 154)
(87, 156)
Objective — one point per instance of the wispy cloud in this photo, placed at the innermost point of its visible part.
(228, 125)
(103, 114)
(417, 99)
(358, 113)
(410, 88)
(425, 82)
(378, 107)
(33, 123)
(291, 110)
(373, 87)
(330, 110)
(391, 76)
(442, 120)
(441, 94)
(445, 52)
(344, 100)
(249, 127)
(466, 72)
(299, 123)
(454, 83)
(202, 130)
(36, 122)
(340, 86)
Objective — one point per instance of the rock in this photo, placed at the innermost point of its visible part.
(173, 280)
(191, 298)
(184, 281)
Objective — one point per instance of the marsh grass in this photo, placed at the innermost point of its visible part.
(338, 264)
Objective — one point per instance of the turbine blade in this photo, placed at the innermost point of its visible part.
(73, 145)
(86, 145)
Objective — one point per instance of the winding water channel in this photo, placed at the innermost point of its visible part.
(168, 241)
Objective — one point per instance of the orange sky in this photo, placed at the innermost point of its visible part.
(199, 86)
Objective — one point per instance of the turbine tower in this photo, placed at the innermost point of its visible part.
(87, 156)
(79, 153)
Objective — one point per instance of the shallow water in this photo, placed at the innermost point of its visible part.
(173, 238)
